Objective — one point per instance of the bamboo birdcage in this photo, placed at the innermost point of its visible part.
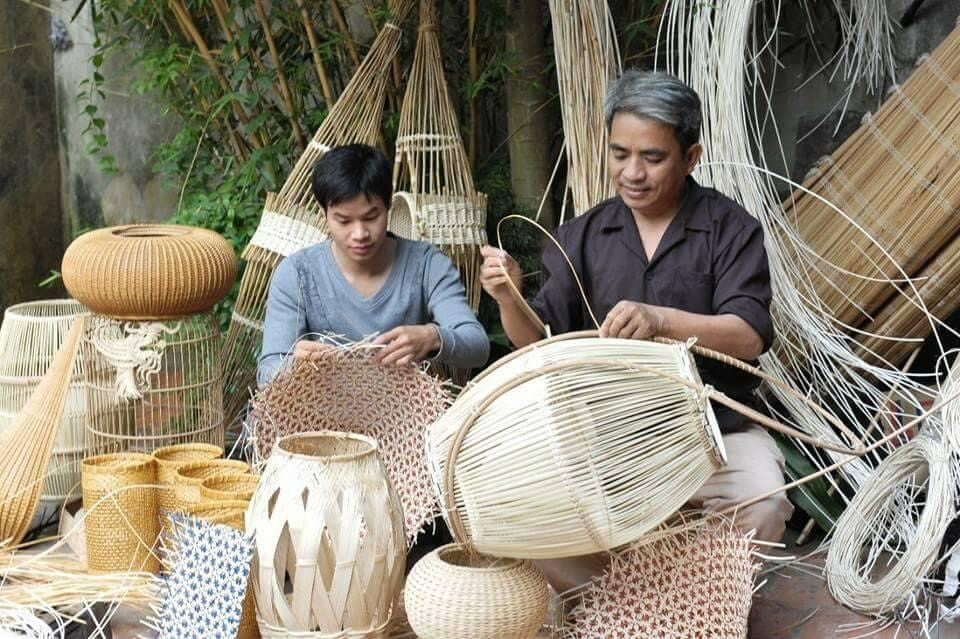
(326, 520)
(292, 219)
(442, 205)
(30, 337)
(153, 384)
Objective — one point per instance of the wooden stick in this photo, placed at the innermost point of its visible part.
(345, 32)
(281, 76)
(317, 58)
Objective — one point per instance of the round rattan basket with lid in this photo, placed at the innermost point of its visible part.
(149, 271)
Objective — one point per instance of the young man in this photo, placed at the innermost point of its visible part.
(364, 280)
(665, 257)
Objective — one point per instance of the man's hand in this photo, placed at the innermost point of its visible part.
(492, 277)
(305, 349)
(407, 344)
(633, 320)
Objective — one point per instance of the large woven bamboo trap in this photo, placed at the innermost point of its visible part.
(697, 583)
(453, 593)
(30, 337)
(329, 540)
(153, 384)
(573, 446)
(347, 391)
(292, 219)
(27, 444)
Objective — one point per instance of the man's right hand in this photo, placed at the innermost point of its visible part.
(305, 349)
(492, 276)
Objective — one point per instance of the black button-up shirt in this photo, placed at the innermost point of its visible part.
(710, 261)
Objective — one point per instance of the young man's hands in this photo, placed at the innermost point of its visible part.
(405, 345)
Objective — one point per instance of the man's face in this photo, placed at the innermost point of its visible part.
(647, 165)
(358, 227)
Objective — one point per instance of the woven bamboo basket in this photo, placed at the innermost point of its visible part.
(149, 271)
(453, 593)
(572, 446)
(153, 384)
(26, 446)
(120, 499)
(191, 475)
(30, 336)
(229, 487)
(169, 459)
(327, 521)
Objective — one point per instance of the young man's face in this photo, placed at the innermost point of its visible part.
(358, 227)
(647, 165)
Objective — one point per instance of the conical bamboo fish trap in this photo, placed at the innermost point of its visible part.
(292, 219)
(443, 206)
(26, 446)
(153, 384)
(573, 446)
(326, 521)
(30, 337)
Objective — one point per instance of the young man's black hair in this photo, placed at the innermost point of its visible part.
(344, 172)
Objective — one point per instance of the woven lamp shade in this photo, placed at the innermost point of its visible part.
(453, 593)
(120, 500)
(572, 446)
(30, 336)
(149, 271)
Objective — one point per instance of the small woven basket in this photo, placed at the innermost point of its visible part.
(229, 487)
(121, 504)
(453, 593)
(190, 476)
(168, 459)
(149, 271)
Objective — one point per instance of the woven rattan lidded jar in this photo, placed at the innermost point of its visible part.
(149, 271)
(453, 593)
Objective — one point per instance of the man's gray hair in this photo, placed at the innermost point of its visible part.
(658, 96)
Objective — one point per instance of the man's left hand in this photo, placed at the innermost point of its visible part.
(407, 344)
(633, 320)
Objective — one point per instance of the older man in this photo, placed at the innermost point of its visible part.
(665, 257)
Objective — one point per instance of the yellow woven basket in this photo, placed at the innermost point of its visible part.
(190, 476)
(121, 503)
(149, 271)
(169, 459)
(229, 487)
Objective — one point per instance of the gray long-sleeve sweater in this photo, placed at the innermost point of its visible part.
(309, 294)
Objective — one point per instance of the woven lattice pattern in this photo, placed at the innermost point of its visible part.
(696, 584)
(347, 391)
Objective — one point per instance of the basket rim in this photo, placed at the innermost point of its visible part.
(13, 311)
(149, 231)
(508, 563)
(112, 462)
(371, 444)
(160, 453)
(230, 467)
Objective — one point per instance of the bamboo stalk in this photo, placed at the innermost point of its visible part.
(474, 75)
(281, 76)
(345, 32)
(315, 51)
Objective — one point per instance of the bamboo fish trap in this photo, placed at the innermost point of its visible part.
(26, 445)
(442, 205)
(325, 520)
(30, 337)
(292, 219)
(153, 384)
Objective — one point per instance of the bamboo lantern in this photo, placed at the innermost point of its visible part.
(29, 339)
(120, 499)
(153, 384)
(572, 446)
(191, 475)
(326, 521)
(292, 219)
(453, 593)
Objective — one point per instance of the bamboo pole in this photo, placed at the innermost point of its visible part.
(281, 76)
(317, 58)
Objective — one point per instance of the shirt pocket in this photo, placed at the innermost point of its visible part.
(690, 291)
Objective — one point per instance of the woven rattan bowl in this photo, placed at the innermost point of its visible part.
(149, 271)
(453, 593)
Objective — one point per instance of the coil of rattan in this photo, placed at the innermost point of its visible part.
(149, 271)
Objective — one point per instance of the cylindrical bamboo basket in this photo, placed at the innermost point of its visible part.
(454, 593)
(120, 499)
(573, 446)
(229, 487)
(169, 459)
(326, 520)
(190, 476)
(30, 337)
(149, 271)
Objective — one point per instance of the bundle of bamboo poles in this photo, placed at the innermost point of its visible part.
(431, 162)
(292, 219)
(897, 178)
(588, 59)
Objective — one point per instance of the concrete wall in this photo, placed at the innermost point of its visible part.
(31, 231)
(134, 126)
